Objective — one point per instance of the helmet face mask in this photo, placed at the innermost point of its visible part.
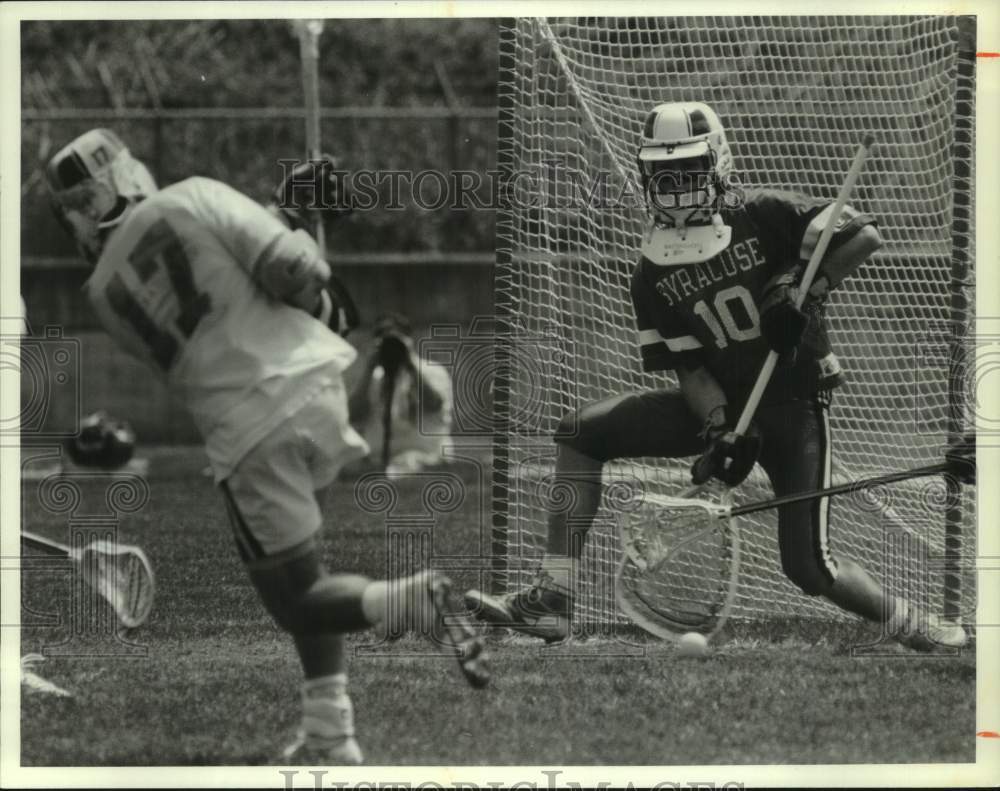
(675, 184)
(92, 182)
(683, 161)
(82, 210)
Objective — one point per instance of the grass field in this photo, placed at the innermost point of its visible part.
(214, 682)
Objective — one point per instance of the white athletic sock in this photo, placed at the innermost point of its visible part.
(374, 601)
(326, 707)
(332, 686)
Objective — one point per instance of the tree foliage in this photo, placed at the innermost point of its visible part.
(375, 63)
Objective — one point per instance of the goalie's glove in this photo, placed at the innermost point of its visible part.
(313, 186)
(781, 323)
(336, 308)
(730, 457)
(961, 459)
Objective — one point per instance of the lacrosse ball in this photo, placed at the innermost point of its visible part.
(692, 644)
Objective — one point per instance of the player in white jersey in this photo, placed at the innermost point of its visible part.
(219, 296)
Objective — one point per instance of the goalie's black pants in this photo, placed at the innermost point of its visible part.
(795, 454)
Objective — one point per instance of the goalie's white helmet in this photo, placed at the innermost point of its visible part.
(684, 160)
(93, 181)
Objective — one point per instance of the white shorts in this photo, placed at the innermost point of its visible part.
(271, 495)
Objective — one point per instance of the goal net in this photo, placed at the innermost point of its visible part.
(796, 95)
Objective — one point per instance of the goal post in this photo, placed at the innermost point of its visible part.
(795, 94)
(962, 293)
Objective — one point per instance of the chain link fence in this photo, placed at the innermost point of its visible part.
(434, 265)
(242, 147)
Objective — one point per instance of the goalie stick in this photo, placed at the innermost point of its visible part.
(679, 567)
(120, 573)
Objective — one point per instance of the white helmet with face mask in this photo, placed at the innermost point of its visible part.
(684, 162)
(93, 182)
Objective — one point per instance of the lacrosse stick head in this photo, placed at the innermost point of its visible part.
(123, 575)
(679, 565)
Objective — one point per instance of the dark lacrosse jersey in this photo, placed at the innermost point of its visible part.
(706, 314)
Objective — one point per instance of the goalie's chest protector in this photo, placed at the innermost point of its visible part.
(709, 309)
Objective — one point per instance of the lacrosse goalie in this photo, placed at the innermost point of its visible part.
(221, 298)
(714, 291)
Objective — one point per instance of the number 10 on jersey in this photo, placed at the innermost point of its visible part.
(723, 323)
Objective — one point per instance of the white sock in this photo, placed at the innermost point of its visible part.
(326, 707)
(332, 686)
(374, 602)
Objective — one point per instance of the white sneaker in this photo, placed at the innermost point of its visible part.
(326, 735)
(927, 632)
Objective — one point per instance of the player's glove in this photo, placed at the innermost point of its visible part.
(961, 459)
(316, 185)
(336, 308)
(730, 457)
(781, 323)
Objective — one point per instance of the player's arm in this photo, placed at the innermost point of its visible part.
(844, 259)
(290, 269)
(285, 264)
(321, 183)
(792, 225)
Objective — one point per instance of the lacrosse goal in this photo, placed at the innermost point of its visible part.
(796, 95)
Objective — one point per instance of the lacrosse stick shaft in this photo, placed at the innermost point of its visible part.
(309, 32)
(753, 401)
(36, 541)
(853, 486)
